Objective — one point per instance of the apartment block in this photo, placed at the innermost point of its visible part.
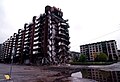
(51, 37)
(1, 55)
(7, 49)
(107, 47)
(119, 55)
(45, 40)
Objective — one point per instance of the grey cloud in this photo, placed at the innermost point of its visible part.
(3, 24)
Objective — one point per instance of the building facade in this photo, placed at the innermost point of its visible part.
(107, 47)
(75, 55)
(43, 41)
(1, 56)
(119, 55)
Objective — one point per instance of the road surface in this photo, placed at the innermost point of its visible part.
(22, 73)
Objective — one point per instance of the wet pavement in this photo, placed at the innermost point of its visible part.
(21, 73)
(25, 73)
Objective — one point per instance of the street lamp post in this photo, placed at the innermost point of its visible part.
(9, 75)
(13, 53)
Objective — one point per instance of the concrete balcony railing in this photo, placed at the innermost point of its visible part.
(36, 34)
(37, 29)
(64, 34)
(36, 38)
(36, 42)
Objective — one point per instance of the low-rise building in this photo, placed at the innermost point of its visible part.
(75, 55)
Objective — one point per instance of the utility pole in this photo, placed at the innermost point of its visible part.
(12, 56)
(9, 75)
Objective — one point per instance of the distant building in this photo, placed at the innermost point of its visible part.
(107, 47)
(1, 52)
(119, 55)
(7, 48)
(75, 55)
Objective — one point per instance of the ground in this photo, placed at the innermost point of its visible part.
(22, 73)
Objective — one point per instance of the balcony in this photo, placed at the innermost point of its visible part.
(60, 28)
(35, 52)
(63, 44)
(26, 39)
(19, 42)
(27, 28)
(49, 53)
(64, 34)
(36, 47)
(37, 24)
(63, 24)
(20, 36)
(19, 45)
(63, 39)
(36, 38)
(17, 54)
(26, 46)
(27, 32)
(26, 42)
(63, 29)
(49, 47)
(36, 42)
(37, 21)
(27, 35)
(18, 49)
(57, 17)
(49, 41)
(36, 34)
(36, 29)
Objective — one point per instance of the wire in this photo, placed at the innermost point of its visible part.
(103, 35)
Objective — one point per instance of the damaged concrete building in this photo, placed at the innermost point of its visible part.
(43, 41)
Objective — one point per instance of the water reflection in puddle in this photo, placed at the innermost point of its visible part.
(92, 74)
(77, 77)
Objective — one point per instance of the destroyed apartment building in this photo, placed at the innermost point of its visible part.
(43, 41)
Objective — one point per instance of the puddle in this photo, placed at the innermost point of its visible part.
(77, 77)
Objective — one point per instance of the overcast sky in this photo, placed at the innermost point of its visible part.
(89, 20)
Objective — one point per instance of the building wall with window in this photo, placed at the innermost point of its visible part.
(119, 55)
(107, 47)
(1, 55)
(75, 55)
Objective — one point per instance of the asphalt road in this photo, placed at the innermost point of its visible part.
(22, 73)
(25, 73)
